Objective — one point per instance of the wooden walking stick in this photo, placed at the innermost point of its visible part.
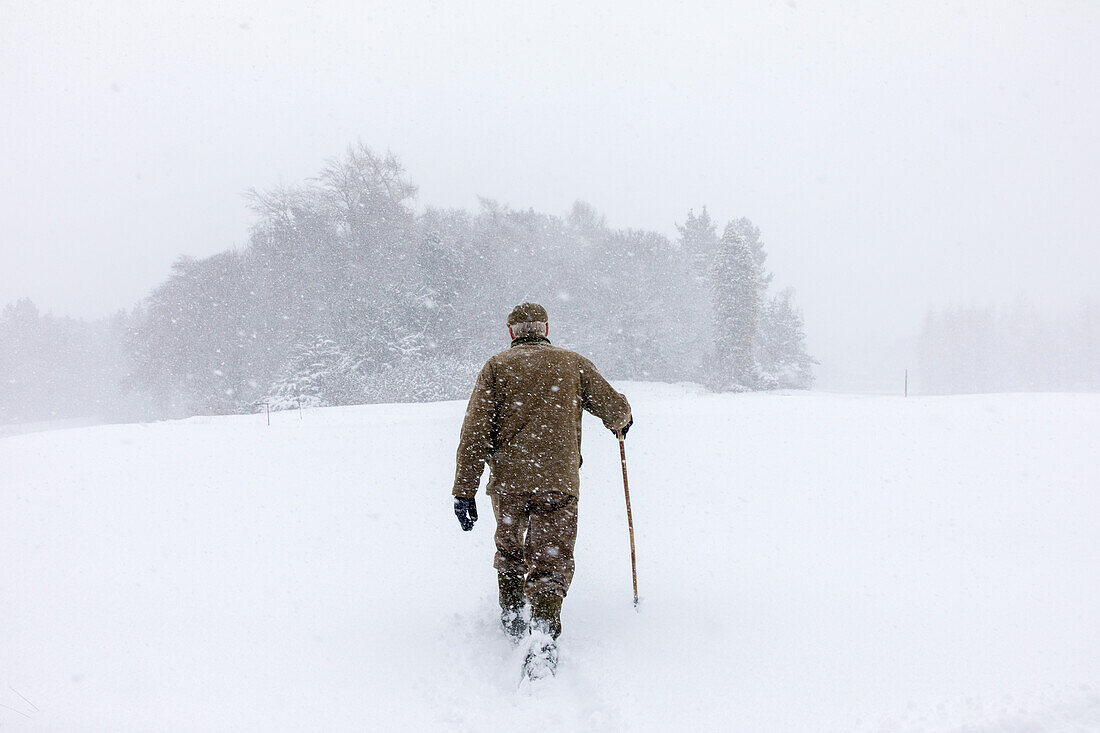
(629, 518)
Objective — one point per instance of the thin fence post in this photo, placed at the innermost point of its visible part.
(906, 382)
(268, 406)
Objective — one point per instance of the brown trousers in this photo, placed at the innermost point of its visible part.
(535, 537)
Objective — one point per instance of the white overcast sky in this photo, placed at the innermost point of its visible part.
(896, 155)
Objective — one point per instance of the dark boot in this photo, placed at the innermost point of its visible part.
(546, 614)
(511, 605)
(542, 656)
(542, 647)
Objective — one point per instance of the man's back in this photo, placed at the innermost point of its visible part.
(524, 419)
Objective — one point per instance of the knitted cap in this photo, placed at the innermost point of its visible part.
(527, 312)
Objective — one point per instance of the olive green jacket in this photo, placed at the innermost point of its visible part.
(524, 419)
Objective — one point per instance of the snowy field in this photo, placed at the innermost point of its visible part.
(807, 562)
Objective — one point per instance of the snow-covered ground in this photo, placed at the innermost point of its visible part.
(807, 562)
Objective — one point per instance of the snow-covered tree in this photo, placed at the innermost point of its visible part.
(781, 344)
(345, 293)
(751, 234)
(736, 309)
(319, 373)
(698, 243)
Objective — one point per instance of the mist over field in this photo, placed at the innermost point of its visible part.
(919, 184)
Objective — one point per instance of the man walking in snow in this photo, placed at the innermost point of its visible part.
(524, 421)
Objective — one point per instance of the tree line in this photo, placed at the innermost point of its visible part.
(1010, 349)
(346, 294)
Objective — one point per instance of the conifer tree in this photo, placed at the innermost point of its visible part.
(781, 345)
(698, 242)
(751, 234)
(736, 308)
(698, 245)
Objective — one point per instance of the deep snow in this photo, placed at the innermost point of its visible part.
(807, 562)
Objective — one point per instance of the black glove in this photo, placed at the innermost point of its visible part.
(624, 428)
(466, 511)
